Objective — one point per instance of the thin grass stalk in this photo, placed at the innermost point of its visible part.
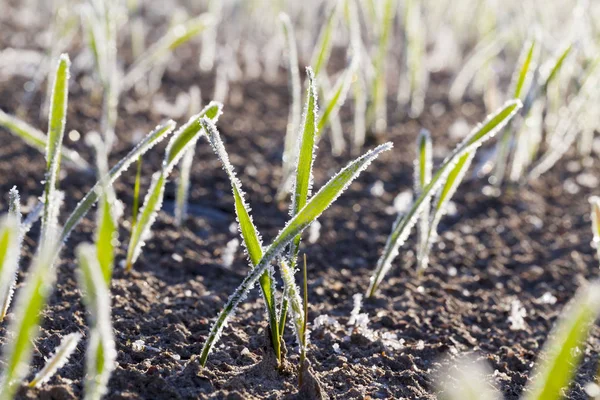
(304, 325)
(56, 129)
(24, 327)
(67, 346)
(183, 183)
(322, 49)
(38, 140)
(423, 167)
(250, 235)
(88, 201)
(595, 217)
(10, 251)
(403, 224)
(101, 352)
(185, 138)
(309, 213)
(291, 135)
(304, 176)
(560, 356)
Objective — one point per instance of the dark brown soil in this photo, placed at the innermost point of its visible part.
(527, 242)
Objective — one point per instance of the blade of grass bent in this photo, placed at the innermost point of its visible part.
(558, 361)
(304, 178)
(25, 325)
(56, 129)
(153, 138)
(250, 235)
(184, 138)
(37, 139)
(423, 166)
(57, 360)
(101, 352)
(453, 180)
(10, 249)
(595, 217)
(403, 224)
(310, 212)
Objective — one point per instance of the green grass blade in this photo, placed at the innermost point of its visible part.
(10, 250)
(423, 167)
(37, 139)
(185, 138)
(555, 66)
(107, 214)
(136, 192)
(24, 327)
(153, 138)
(323, 47)
(403, 224)
(291, 135)
(558, 361)
(56, 129)
(313, 209)
(250, 235)
(595, 203)
(338, 94)
(67, 346)
(454, 179)
(101, 353)
(295, 301)
(174, 38)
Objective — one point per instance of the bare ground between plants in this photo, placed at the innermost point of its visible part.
(530, 241)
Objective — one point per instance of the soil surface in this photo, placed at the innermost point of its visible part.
(531, 244)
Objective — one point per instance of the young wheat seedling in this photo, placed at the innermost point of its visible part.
(10, 250)
(404, 223)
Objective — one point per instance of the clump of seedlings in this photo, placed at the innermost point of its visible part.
(305, 209)
(442, 184)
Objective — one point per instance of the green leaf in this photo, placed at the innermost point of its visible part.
(10, 249)
(310, 212)
(404, 223)
(323, 47)
(184, 138)
(556, 66)
(174, 38)
(338, 94)
(527, 63)
(37, 139)
(250, 236)
(454, 179)
(24, 327)
(56, 129)
(558, 361)
(154, 137)
(101, 353)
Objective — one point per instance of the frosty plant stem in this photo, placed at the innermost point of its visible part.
(57, 360)
(25, 324)
(304, 178)
(423, 166)
(185, 137)
(10, 249)
(309, 213)
(56, 130)
(404, 223)
(101, 352)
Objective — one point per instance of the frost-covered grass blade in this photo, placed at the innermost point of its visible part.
(324, 43)
(25, 325)
(338, 94)
(56, 129)
(60, 357)
(250, 235)
(101, 352)
(154, 137)
(310, 212)
(10, 250)
(38, 140)
(404, 223)
(562, 352)
(183, 139)
(423, 167)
